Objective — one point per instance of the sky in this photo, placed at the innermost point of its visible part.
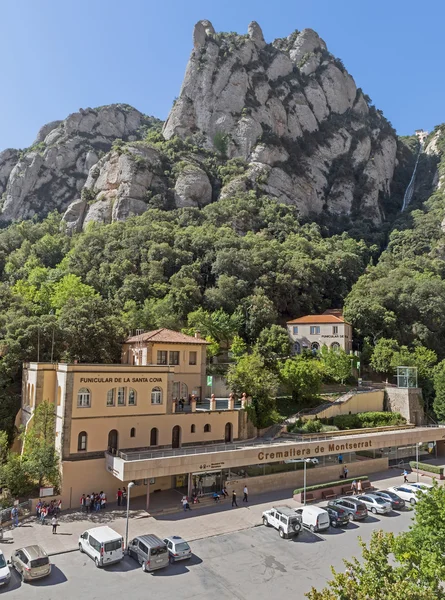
(62, 55)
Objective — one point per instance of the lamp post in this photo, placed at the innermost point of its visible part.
(130, 485)
(417, 459)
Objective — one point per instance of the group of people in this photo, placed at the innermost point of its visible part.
(356, 487)
(46, 510)
(217, 497)
(93, 502)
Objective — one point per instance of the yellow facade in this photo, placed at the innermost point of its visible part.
(357, 403)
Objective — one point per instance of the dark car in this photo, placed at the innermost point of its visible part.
(338, 516)
(356, 510)
(396, 501)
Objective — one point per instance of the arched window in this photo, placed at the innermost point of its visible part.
(156, 395)
(113, 438)
(297, 347)
(59, 396)
(84, 398)
(207, 428)
(111, 397)
(132, 432)
(121, 396)
(192, 429)
(176, 437)
(154, 437)
(335, 346)
(82, 441)
(132, 397)
(315, 347)
(184, 391)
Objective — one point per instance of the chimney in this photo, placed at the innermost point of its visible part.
(197, 334)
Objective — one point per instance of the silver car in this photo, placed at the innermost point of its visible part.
(31, 563)
(376, 504)
(178, 548)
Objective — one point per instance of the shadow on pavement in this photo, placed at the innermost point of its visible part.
(178, 568)
(126, 564)
(57, 576)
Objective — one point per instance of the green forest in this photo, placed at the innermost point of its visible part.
(246, 260)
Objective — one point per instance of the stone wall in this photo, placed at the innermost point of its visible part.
(294, 479)
(408, 402)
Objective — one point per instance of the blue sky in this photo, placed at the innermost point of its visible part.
(62, 55)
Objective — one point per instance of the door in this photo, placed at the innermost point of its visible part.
(176, 437)
(112, 441)
(228, 435)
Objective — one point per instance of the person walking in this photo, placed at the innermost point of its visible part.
(119, 497)
(359, 486)
(345, 471)
(245, 492)
(124, 496)
(82, 503)
(15, 516)
(234, 503)
(55, 524)
(405, 476)
(354, 487)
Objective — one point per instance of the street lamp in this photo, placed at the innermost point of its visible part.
(304, 461)
(417, 459)
(130, 485)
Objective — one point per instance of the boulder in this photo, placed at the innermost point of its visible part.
(192, 188)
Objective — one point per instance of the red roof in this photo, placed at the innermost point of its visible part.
(166, 336)
(318, 319)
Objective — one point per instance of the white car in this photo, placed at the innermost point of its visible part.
(423, 487)
(375, 504)
(5, 575)
(405, 492)
(283, 518)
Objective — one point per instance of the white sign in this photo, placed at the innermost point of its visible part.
(46, 491)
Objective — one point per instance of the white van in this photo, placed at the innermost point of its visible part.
(314, 517)
(103, 544)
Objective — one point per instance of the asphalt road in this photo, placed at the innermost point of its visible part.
(251, 564)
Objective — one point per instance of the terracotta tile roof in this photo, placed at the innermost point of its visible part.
(318, 319)
(165, 336)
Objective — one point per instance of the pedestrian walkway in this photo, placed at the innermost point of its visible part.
(204, 520)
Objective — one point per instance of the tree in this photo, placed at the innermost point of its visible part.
(439, 389)
(273, 344)
(378, 578)
(68, 288)
(39, 453)
(302, 376)
(261, 313)
(238, 347)
(14, 476)
(250, 375)
(382, 360)
(336, 363)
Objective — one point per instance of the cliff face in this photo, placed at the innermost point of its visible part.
(52, 172)
(282, 119)
(294, 113)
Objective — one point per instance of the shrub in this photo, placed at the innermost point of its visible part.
(368, 419)
(427, 467)
(220, 142)
(321, 486)
(313, 426)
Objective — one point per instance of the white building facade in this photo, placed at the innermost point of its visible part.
(314, 331)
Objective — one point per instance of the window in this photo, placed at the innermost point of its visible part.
(111, 397)
(121, 396)
(192, 429)
(83, 398)
(111, 546)
(335, 346)
(295, 329)
(207, 428)
(156, 395)
(132, 432)
(297, 348)
(193, 356)
(315, 347)
(154, 437)
(173, 358)
(82, 441)
(335, 329)
(162, 357)
(315, 329)
(132, 397)
(176, 389)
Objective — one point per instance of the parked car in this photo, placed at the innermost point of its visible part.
(406, 493)
(104, 545)
(149, 551)
(419, 485)
(314, 517)
(338, 516)
(5, 575)
(31, 562)
(396, 501)
(178, 549)
(284, 519)
(356, 510)
(375, 504)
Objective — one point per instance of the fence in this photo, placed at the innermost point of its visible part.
(24, 509)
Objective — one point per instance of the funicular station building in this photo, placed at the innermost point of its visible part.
(150, 420)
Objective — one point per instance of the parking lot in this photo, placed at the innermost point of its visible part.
(254, 563)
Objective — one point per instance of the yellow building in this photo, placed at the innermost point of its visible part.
(151, 401)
